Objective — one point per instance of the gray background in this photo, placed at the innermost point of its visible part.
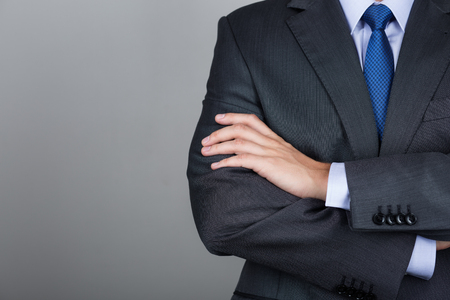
(98, 103)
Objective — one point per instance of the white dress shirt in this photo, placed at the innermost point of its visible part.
(423, 258)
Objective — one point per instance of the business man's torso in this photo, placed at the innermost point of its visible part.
(294, 64)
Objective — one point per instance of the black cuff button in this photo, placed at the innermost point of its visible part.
(341, 289)
(351, 292)
(400, 219)
(378, 218)
(390, 219)
(411, 219)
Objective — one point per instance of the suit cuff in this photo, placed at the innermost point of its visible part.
(423, 258)
(337, 190)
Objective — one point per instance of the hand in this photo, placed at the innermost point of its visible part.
(258, 148)
(442, 245)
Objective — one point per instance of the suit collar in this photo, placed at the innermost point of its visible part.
(319, 28)
(300, 4)
(423, 60)
(354, 10)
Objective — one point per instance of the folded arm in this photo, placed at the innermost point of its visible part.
(238, 212)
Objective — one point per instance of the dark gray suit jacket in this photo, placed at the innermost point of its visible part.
(293, 63)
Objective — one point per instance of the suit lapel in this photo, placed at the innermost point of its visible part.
(322, 32)
(423, 60)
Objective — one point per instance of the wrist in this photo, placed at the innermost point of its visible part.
(321, 180)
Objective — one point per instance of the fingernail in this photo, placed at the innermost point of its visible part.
(215, 164)
(221, 116)
(206, 149)
(205, 140)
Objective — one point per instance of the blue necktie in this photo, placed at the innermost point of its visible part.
(379, 63)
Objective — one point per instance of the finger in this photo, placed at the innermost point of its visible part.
(442, 245)
(239, 131)
(237, 146)
(248, 161)
(250, 120)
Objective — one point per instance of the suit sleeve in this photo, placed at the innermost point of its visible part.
(240, 213)
(416, 183)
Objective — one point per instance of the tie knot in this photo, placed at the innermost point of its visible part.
(377, 16)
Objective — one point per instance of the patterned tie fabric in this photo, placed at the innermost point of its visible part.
(379, 63)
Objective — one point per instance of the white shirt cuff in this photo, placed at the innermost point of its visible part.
(423, 258)
(337, 189)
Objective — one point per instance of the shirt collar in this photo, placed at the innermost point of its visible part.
(354, 9)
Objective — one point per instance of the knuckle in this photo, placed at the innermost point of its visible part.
(240, 127)
(225, 161)
(242, 156)
(272, 153)
(214, 135)
(288, 145)
(253, 117)
(239, 142)
(275, 143)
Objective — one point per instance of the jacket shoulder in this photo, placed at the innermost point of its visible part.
(260, 11)
(261, 18)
